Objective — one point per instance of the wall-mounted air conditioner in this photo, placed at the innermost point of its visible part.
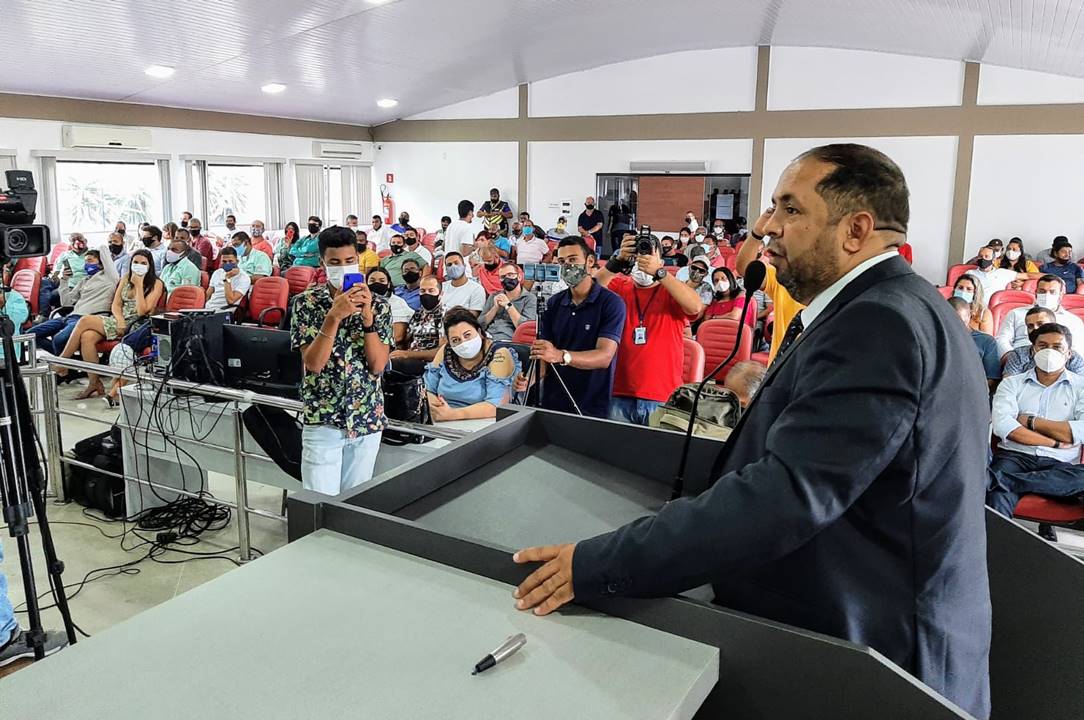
(103, 136)
(668, 167)
(362, 151)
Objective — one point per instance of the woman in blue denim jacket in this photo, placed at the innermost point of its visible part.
(470, 376)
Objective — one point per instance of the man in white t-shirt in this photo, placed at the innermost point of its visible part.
(229, 284)
(459, 237)
(459, 289)
(993, 279)
(380, 235)
(532, 248)
(413, 244)
(1048, 294)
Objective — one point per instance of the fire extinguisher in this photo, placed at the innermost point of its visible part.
(389, 205)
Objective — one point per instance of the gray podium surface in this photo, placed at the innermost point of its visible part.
(334, 627)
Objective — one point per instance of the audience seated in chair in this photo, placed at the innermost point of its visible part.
(92, 295)
(1021, 359)
(229, 284)
(425, 333)
(379, 282)
(1049, 290)
(973, 292)
(505, 310)
(984, 344)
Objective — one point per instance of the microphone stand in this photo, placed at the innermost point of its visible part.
(750, 288)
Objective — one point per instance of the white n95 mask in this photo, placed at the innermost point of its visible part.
(1049, 360)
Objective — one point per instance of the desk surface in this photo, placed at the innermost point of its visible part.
(333, 627)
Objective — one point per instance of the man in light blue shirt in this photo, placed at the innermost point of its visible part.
(14, 306)
(1039, 416)
(252, 262)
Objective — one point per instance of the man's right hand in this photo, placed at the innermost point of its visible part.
(345, 305)
(628, 248)
(762, 221)
(67, 273)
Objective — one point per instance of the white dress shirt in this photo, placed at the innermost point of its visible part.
(1023, 393)
(1013, 333)
(994, 281)
(380, 239)
(819, 303)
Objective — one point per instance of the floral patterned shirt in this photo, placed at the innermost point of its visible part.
(425, 329)
(344, 394)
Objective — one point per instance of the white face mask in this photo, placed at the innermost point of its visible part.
(336, 273)
(1013, 255)
(641, 278)
(1049, 360)
(140, 269)
(722, 286)
(719, 231)
(468, 348)
(1050, 301)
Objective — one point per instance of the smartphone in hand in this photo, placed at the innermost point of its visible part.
(352, 279)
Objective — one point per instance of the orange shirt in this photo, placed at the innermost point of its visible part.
(785, 308)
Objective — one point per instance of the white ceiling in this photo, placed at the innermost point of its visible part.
(337, 57)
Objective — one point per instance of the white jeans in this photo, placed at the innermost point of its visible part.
(332, 463)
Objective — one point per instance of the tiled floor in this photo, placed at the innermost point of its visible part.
(82, 544)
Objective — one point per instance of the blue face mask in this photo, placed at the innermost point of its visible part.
(91, 268)
(529, 230)
(229, 266)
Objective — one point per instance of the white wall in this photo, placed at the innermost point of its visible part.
(559, 171)
(686, 82)
(1027, 186)
(805, 78)
(928, 163)
(431, 178)
(501, 104)
(26, 135)
(1010, 86)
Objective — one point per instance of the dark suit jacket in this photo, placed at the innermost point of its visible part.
(851, 496)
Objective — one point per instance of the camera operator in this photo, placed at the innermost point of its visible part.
(580, 331)
(345, 339)
(504, 311)
(658, 307)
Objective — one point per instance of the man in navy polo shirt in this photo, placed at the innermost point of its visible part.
(579, 335)
(1063, 265)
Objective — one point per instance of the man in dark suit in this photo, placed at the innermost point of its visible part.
(852, 491)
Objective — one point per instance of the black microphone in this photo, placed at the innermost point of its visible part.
(754, 278)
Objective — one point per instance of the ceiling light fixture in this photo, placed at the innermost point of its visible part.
(387, 102)
(159, 71)
(273, 88)
(377, 2)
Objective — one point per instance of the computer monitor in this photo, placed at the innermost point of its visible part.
(261, 359)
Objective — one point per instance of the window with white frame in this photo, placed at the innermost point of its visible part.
(92, 196)
(237, 190)
(331, 192)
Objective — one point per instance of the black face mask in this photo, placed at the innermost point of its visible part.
(313, 228)
(410, 277)
(509, 284)
(667, 248)
(378, 288)
(984, 263)
(589, 207)
(361, 246)
(430, 302)
(115, 250)
(184, 223)
(194, 232)
(148, 241)
(491, 266)
(396, 249)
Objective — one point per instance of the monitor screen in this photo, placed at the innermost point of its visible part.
(261, 359)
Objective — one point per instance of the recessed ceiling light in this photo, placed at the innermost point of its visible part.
(387, 102)
(273, 88)
(377, 2)
(159, 71)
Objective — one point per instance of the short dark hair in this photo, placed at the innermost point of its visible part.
(959, 304)
(242, 236)
(178, 231)
(1050, 329)
(863, 179)
(228, 250)
(154, 231)
(95, 253)
(465, 207)
(336, 236)
(524, 212)
(351, 217)
(494, 190)
(578, 242)
(460, 315)
(377, 217)
(231, 215)
(397, 235)
(1061, 241)
(316, 218)
(449, 254)
(413, 261)
(1051, 278)
(445, 217)
(1039, 310)
(361, 232)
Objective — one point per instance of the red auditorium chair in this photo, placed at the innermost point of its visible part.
(204, 279)
(692, 367)
(186, 297)
(946, 291)
(275, 272)
(383, 254)
(1067, 512)
(37, 264)
(526, 332)
(1079, 312)
(57, 250)
(28, 284)
(718, 337)
(761, 357)
(1032, 285)
(299, 277)
(1004, 309)
(429, 241)
(956, 271)
(1070, 302)
(267, 301)
(1012, 296)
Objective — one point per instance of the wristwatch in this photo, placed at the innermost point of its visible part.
(566, 358)
(660, 274)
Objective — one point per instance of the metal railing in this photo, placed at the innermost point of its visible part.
(44, 391)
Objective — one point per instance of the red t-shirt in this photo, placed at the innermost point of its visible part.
(719, 308)
(490, 279)
(653, 370)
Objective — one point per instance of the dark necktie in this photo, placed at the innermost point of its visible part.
(793, 331)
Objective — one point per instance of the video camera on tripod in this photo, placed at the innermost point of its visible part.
(19, 236)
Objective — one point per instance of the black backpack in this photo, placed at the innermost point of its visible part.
(405, 400)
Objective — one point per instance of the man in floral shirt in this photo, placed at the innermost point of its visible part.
(345, 339)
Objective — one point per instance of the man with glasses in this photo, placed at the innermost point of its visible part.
(506, 310)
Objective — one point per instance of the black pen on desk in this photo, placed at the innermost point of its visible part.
(508, 648)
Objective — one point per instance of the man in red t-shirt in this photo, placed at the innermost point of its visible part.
(651, 352)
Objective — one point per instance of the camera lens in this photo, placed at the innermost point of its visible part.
(644, 247)
(16, 241)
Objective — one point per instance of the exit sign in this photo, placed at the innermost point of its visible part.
(390, 177)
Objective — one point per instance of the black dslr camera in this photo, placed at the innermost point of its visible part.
(645, 241)
(19, 236)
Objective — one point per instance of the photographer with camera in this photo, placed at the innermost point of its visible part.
(658, 307)
(580, 331)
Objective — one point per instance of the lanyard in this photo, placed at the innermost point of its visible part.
(636, 299)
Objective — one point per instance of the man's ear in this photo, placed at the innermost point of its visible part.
(859, 227)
